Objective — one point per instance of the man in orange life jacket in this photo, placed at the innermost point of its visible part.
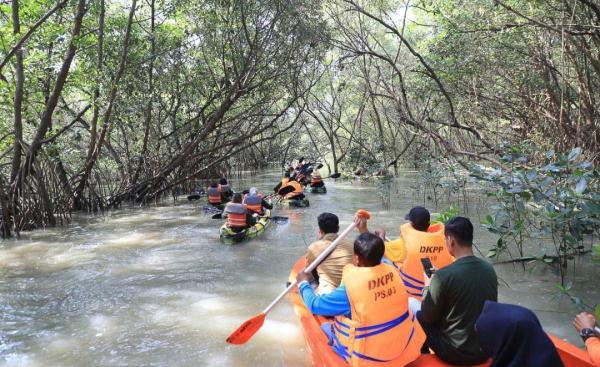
(298, 192)
(373, 325)
(214, 195)
(283, 183)
(238, 218)
(315, 179)
(418, 240)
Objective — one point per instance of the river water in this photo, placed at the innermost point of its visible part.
(153, 286)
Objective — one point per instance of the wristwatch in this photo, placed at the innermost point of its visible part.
(587, 333)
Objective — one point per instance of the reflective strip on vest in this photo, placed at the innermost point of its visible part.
(382, 329)
(420, 245)
(236, 220)
(236, 215)
(214, 196)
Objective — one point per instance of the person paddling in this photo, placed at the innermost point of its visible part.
(255, 203)
(316, 180)
(283, 183)
(329, 272)
(373, 324)
(296, 194)
(214, 195)
(238, 218)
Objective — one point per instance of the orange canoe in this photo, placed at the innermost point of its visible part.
(322, 355)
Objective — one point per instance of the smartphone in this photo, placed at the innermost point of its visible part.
(427, 266)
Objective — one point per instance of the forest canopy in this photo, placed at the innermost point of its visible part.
(112, 101)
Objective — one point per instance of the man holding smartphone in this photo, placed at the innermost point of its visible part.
(454, 297)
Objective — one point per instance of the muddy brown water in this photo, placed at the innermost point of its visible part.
(153, 286)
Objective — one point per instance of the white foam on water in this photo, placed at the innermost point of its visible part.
(61, 345)
(102, 325)
(45, 256)
(133, 240)
(19, 360)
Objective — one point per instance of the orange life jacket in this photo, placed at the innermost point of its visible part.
(214, 196)
(253, 203)
(382, 331)
(297, 189)
(316, 178)
(419, 245)
(236, 215)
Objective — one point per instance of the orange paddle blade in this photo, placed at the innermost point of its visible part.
(363, 213)
(247, 330)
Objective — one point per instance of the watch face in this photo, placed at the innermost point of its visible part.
(586, 333)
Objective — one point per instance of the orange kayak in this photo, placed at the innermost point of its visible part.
(322, 355)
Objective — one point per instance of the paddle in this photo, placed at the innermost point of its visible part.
(243, 333)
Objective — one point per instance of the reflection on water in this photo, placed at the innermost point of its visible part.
(153, 286)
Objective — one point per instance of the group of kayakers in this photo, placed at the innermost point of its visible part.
(243, 209)
(391, 301)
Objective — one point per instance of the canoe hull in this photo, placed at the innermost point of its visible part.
(302, 203)
(322, 355)
(316, 190)
(230, 237)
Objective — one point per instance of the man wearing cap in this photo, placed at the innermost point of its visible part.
(418, 240)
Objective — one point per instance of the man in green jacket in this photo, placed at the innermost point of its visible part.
(455, 298)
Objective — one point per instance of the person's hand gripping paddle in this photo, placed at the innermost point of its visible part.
(243, 333)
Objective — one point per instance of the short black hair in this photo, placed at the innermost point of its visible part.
(214, 184)
(369, 248)
(223, 181)
(461, 229)
(237, 198)
(419, 217)
(328, 223)
(286, 174)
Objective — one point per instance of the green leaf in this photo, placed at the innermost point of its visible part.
(581, 186)
(597, 312)
(574, 154)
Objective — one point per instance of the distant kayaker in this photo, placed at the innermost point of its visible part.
(329, 273)
(585, 324)
(372, 320)
(297, 193)
(255, 203)
(225, 190)
(418, 240)
(214, 195)
(284, 181)
(238, 218)
(513, 337)
(454, 299)
(315, 178)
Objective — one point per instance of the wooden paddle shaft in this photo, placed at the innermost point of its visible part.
(312, 266)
